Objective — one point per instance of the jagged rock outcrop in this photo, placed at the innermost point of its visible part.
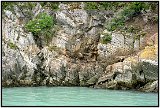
(150, 87)
(54, 64)
(75, 55)
(136, 72)
(19, 50)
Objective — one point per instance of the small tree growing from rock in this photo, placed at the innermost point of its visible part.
(41, 26)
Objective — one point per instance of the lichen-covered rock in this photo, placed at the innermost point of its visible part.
(89, 73)
(75, 56)
(133, 73)
(106, 78)
(149, 60)
(150, 69)
(148, 53)
(119, 45)
(150, 87)
(19, 50)
(112, 85)
(93, 80)
(72, 75)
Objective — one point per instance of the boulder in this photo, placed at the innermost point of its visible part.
(112, 85)
(105, 78)
(93, 80)
(133, 73)
(150, 87)
(150, 69)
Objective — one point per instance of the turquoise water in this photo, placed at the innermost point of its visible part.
(75, 96)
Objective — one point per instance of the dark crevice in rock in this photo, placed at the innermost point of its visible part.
(63, 73)
(39, 75)
(38, 41)
(141, 72)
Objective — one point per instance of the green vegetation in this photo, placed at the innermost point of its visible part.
(135, 8)
(10, 5)
(12, 45)
(106, 38)
(42, 25)
(51, 5)
(91, 5)
(6, 5)
(120, 19)
(24, 7)
(114, 6)
(129, 11)
(104, 5)
(135, 31)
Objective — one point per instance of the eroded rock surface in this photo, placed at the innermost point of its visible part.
(75, 56)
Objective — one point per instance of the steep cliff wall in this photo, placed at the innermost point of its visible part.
(75, 56)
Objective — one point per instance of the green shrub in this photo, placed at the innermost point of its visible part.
(7, 5)
(106, 38)
(131, 10)
(12, 45)
(42, 26)
(115, 23)
(134, 8)
(40, 23)
(91, 5)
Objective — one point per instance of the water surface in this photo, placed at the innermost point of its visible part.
(75, 96)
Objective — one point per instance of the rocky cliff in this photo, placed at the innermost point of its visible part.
(76, 56)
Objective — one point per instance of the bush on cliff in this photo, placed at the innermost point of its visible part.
(42, 25)
(129, 11)
(106, 38)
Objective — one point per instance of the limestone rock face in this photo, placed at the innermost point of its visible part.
(75, 56)
(150, 87)
(119, 45)
(150, 69)
(133, 73)
(19, 50)
(24, 63)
